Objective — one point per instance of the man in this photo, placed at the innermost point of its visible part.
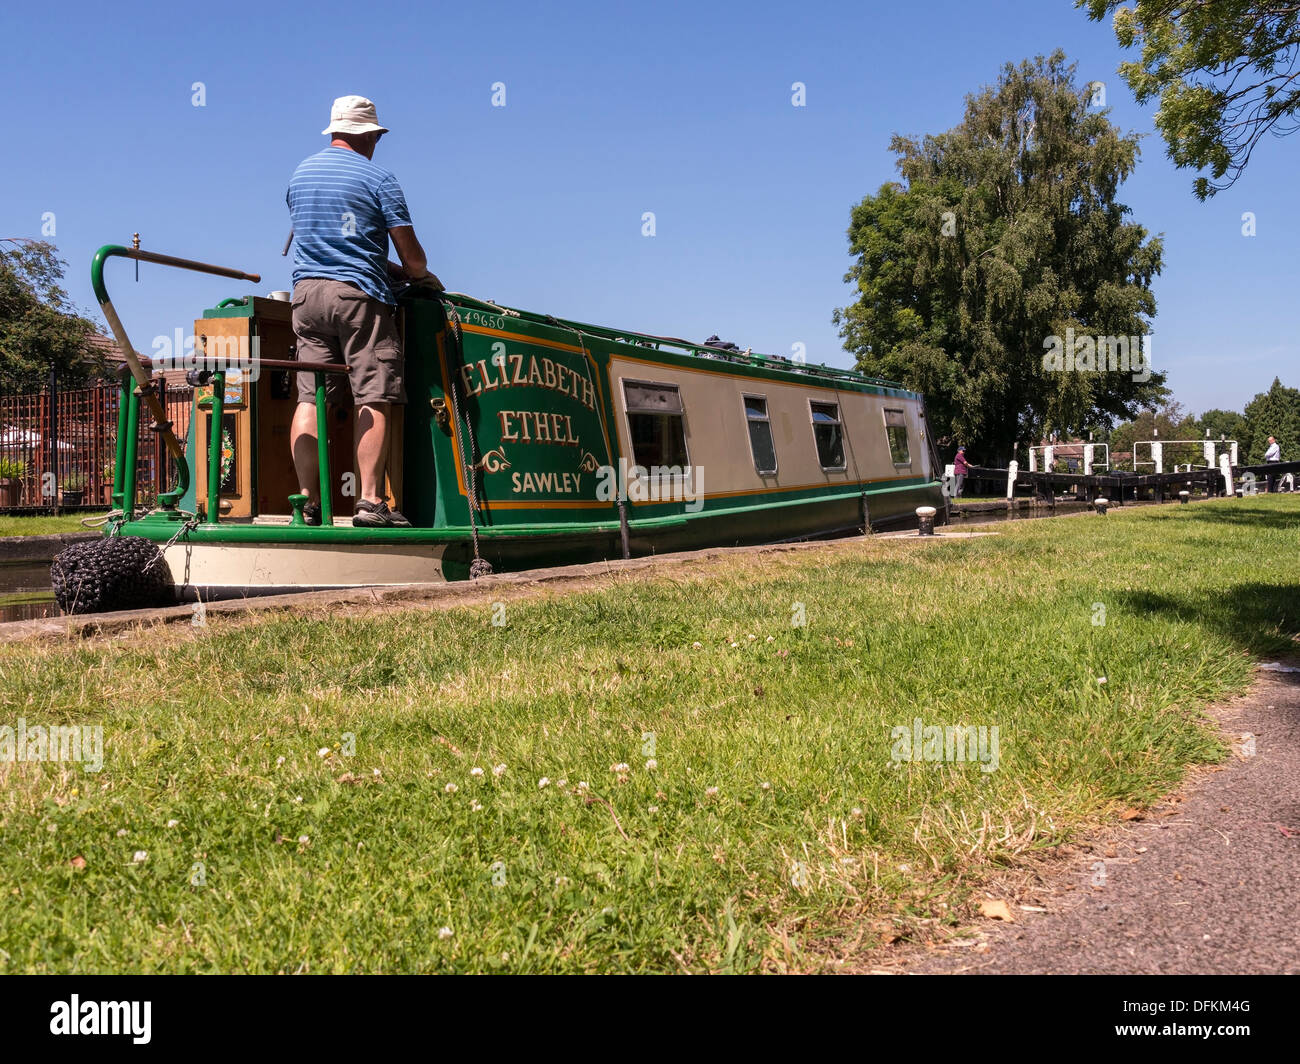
(959, 469)
(344, 209)
(1272, 455)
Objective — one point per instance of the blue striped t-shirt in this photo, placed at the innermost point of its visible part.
(342, 206)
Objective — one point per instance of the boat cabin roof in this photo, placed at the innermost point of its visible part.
(676, 345)
(671, 345)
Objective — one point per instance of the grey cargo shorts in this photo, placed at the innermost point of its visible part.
(337, 322)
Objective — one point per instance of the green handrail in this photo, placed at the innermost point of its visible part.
(127, 442)
(119, 452)
(132, 443)
(323, 455)
(214, 446)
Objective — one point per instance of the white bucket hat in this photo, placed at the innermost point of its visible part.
(353, 114)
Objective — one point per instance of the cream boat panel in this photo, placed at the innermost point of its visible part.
(717, 432)
(302, 566)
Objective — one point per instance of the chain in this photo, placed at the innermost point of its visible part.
(480, 566)
(190, 523)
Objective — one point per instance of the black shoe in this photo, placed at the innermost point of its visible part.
(377, 515)
(311, 514)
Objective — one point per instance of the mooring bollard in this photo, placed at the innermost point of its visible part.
(1184, 496)
(1100, 503)
(925, 520)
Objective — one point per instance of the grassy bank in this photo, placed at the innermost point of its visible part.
(673, 774)
(44, 526)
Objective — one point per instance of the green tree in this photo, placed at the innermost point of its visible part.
(1227, 424)
(1224, 73)
(39, 326)
(1168, 422)
(1275, 412)
(1006, 233)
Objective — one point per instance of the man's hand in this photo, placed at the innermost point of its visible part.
(427, 286)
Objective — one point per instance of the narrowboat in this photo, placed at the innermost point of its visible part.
(527, 440)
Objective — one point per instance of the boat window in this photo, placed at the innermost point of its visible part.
(829, 435)
(761, 444)
(896, 431)
(656, 424)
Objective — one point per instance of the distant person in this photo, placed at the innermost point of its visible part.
(344, 209)
(959, 469)
(1271, 457)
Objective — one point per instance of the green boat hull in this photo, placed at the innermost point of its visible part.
(529, 416)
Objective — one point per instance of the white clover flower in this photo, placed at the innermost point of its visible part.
(561, 784)
(561, 881)
(855, 811)
(583, 787)
(543, 782)
(476, 771)
(475, 806)
(376, 772)
(140, 856)
(1101, 679)
(751, 637)
(622, 766)
(121, 833)
(697, 646)
(323, 751)
(303, 840)
(172, 823)
(297, 799)
(711, 791)
(766, 786)
(445, 932)
(451, 788)
(651, 765)
(652, 809)
(735, 645)
(499, 770)
(280, 760)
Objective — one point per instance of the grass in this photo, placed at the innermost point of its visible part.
(303, 785)
(44, 526)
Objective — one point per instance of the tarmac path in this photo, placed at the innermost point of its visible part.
(1207, 883)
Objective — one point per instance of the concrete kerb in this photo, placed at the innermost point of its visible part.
(40, 548)
(559, 577)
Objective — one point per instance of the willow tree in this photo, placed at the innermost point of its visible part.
(1004, 234)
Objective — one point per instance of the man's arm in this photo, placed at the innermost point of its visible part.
(415, 263)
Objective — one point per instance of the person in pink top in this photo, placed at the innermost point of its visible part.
(959, 468)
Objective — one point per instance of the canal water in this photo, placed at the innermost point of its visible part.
(26, 594)
(25, 591)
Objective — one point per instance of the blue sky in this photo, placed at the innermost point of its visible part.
(612, 110)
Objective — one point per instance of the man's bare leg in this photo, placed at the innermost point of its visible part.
(372, 449)
(302, 444)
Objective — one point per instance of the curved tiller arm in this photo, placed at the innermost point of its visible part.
(148, 391)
